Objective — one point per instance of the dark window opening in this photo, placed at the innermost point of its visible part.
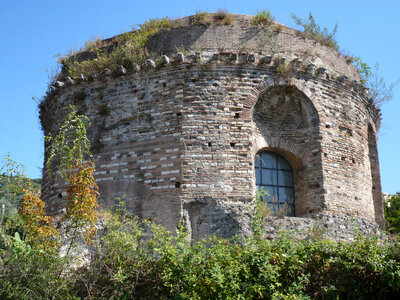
(274, 181)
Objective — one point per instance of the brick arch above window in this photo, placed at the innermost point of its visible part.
(296, 154)
(256, 92)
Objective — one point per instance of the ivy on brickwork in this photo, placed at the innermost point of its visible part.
(71, 145)
(72, 148)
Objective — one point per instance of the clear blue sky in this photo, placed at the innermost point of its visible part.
(33, 32)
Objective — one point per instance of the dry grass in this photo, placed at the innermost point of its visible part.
(202, 18)
(222, 17)
(92, 43)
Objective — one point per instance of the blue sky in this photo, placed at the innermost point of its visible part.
(33, 32)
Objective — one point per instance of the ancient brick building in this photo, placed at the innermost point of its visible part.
(223, 110)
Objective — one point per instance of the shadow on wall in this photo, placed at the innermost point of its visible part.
(206, 216)
(140, 201)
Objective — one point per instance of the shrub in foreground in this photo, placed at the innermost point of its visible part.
(392, 213)
(128, 264)
(131, 263)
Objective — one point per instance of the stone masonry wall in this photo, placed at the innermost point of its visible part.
(178, 141)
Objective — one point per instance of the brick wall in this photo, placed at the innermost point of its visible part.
(178, 142)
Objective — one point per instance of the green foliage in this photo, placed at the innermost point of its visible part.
(153, 26)
(131, 264)
(11, 225)
(379, 92)
(263, 18)
(141, 260)
(71, 145)
(220, 17)
(7, 196)
(12, 182)
(17, 190)
(93, 43)
(392, 213)
(30, 273)
(124, 265)
(128, 48)
(285, 70)
(313, 31)
(363, 70)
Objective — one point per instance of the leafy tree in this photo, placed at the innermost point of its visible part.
(392, 212)
(11, 182)
(8, 197)
(39, 227)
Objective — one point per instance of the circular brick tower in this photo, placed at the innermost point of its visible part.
(220, 111)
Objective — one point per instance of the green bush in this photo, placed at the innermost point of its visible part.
(263, 18)
(392, 213)
(129, 264)
(29, 273)
(141, 260)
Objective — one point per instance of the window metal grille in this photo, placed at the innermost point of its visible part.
(274, 177)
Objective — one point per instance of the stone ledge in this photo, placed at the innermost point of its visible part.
(332, 227)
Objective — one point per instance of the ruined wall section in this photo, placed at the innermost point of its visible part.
(135, 136)
(345, 151)
(218, 132)
(375, 176)
(218, 174)
(177, 139)
(242, 37)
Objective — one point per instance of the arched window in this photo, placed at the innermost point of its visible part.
(274, 176)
